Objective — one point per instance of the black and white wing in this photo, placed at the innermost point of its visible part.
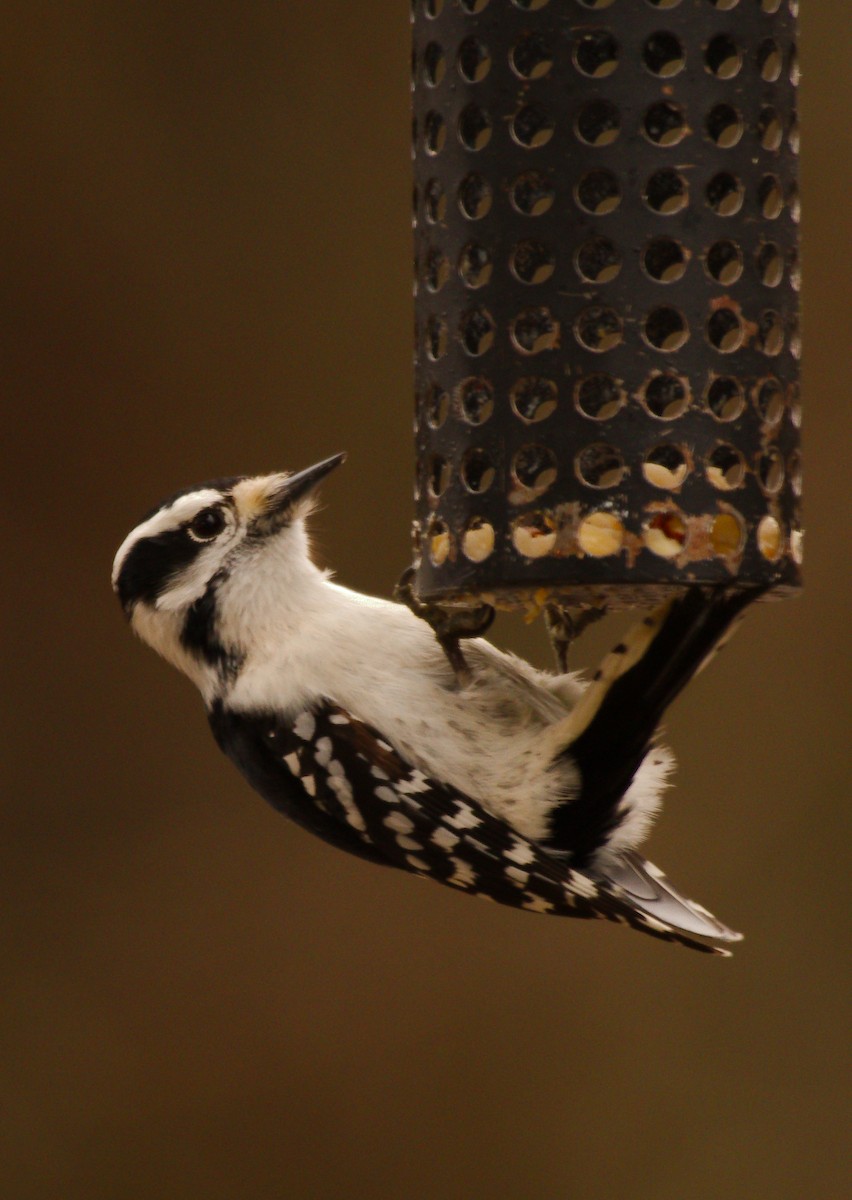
(338, 778)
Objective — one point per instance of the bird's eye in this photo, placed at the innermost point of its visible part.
(207, 524)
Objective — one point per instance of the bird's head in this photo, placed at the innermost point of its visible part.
(208, 564)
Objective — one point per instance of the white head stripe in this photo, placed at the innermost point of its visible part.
(169, 518)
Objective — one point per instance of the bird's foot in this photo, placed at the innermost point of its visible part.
(449, 625)
(564, 626)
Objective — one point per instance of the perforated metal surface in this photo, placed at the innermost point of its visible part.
(607, 340)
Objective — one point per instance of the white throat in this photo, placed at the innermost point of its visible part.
(266, 601)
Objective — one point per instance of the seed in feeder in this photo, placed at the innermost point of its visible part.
(665, 534)
(726, 535)
(665, 466)
(534, 536)
(439, 545)
(478, 540)
(600, 534)
(796, 545)
(769, 538)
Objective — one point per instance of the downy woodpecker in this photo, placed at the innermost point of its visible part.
(342, 711)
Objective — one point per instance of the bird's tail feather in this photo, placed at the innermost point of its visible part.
(649, 892)
(659, 655)
(612, 727)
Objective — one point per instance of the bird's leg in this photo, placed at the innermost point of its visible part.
(564, 626)
(449, 625)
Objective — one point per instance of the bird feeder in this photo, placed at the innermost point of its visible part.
(607, 342)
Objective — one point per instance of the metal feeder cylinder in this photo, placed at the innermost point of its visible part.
(607, 342)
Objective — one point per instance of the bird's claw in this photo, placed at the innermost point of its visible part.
(563, 627)
(449, 625)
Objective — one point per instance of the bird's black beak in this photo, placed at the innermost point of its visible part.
(304, 482)
(279, 502)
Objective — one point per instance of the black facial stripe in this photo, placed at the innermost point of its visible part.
(152, 564)
(199, 634)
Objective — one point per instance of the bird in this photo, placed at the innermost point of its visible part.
(531, 788)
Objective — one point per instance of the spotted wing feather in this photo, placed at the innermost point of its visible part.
(339, 778)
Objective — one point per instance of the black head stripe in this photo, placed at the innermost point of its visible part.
(153, 562)
(151, 565)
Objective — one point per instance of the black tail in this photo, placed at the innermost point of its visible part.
(616, 719)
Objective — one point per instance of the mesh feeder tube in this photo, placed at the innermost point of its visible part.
(607, 342)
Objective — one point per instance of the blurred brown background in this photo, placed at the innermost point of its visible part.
(205, 261)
